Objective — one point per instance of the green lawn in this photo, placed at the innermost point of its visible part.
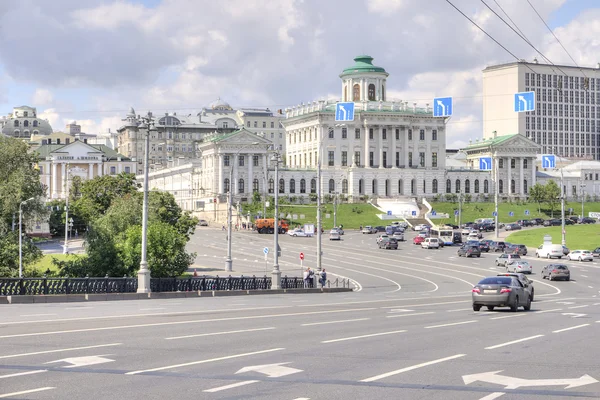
(46, 262)
(351, 216)
(578, 236)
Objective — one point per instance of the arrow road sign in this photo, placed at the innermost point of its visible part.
(83, 361)
(414, 213)
(548, 161)
(344, 111)
(514, 383)
(526, 212)
(442, 106)
(485, 163)
(266, 250)
(511, 214)
(271, 370)
(433, 213)
(524, 101)
(455, 212)
(494, 214)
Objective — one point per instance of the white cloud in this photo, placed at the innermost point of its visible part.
(42, 97)
(385, 6)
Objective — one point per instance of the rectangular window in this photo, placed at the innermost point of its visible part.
(397, 159)
(357, 133)
(241, 160)
(264, 124)
(272, 124)
(226, 161)
(344, 133)
(397, 134)
(357, 157)
(371, 133)
(256, 124)
(422, 134)
(127, 170)
(512, 163)
(113, 170)
(331, 133)
(384, 159)
(255, 161)
(248, 124)
(384, 134)
(434, 160)
(410, 134)
(370, 159)
(410, 158)
(344, 158)
(434, 134)
(330, 158)
(422, 159)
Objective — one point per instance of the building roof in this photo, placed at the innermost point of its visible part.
(492, 141)
(110, 154)
(537, 64)
(584, 164)
(362, 63)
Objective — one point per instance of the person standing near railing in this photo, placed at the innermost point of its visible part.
(323, 277)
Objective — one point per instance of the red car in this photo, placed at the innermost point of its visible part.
(418, 240)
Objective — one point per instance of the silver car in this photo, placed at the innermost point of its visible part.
(519, 266)
(501, 291)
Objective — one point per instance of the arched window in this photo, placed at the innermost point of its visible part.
(345, 186)
(371, 92)
(374, 186)
(486, 187)
(281, 186)
(400, 187)
(361, 187)
(434, 186)
(467, 186)
(356, 92)
(255, 187)
(331, 186)
(241, 186)
(457, 189)
(412, 186)
(292, 186)
(476, 185)
(16, 124)
(513, 186)
(500, 186)
(35, 123)
(313, 186)
(448, 186)
(302, 186)
(226, 185)
(271, 186)
(525, 185)
(25, 123)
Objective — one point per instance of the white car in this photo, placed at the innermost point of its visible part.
(339, 230)
(368, 230)
(580, 255)
(334, 234)
(420, 227)
(430, 243)
(465, 231)
(297, 232)
(474, 235)
(381, 237)
(423, 234)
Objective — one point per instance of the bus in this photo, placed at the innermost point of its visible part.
(444, 233)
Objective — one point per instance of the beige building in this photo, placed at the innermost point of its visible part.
(23, 123)
(566, 120)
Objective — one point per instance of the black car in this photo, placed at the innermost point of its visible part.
(484, 246)
(519, 249)
(587, 220)
(497, 247)
(573, 218)
(538, 221)
(486, 227)
(552, 222)
(525, 222)
(556, 271)
(388, 243)
(469, 251)
(457, 238)
(380, 228)
(569, 221)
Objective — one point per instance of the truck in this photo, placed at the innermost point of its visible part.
(267, 225)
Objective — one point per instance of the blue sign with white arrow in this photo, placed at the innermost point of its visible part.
(414, 213)
(266, 250)
(433, 213)
(442, 106)
(511, 214)
(526, 212)
(548, 161)
(524, 101)
(456, 212)
(494, 214)
(485, 163)
(344, 111)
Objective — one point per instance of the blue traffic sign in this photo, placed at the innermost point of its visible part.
(524, 101)
(526, 212)
(548, 161)
(455, 212)
(494, 214)
(266, 250)
(344, 111)
(433, 213)
(511, 214)
(414, 213)
(442, 106)
(389, 213)
(485, 163)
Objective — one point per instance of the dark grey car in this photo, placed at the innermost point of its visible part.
(501, 291)
(469, 251)
(556, 271)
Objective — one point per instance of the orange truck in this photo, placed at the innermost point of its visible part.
(267, 225)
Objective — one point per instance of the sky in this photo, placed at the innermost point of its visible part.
(89, 61)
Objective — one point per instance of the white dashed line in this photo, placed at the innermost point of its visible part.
(571, 328)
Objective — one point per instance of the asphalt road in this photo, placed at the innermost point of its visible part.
(407, 332)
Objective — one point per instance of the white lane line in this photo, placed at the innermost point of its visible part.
(233, 385)
(545, 311)
(23, 373)
(152, 309)
(303, 398)
(493, 396)
(584, 276)
(591, 287)
(510, 316)
(362, 336)
(60, 350)
(2, 396)
(400, 310)
(204, 361)
(513, 342)
(196, 321)
(571, 308)
(568, 329)
(409, 315)
(219, 333)
(451, 324)
(78, 308)
(460, 309)
(336, 322)
(429, 304)
(35, 315)
(399, 371)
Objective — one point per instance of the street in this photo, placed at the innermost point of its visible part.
(408, 331)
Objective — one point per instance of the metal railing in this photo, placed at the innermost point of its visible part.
(344, 283)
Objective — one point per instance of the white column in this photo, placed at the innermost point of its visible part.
(90, 171)
(248, 188)
(54, 180)
(533, 177)
(508, 176)
(380, 142)
(521, 177)
(100, 168)
(406, 142)
(393, 129)
(220, 168)
(366, 147)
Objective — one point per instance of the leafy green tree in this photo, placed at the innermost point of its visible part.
(9, 254)
(552, 195)
(537, 193)
(163, 208)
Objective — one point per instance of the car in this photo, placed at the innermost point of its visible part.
(501, 291)
(487, 241)
(368, 230)
(504, 259)
(484, 246)
(399, 236)
(381, 237)
(474, 235)
(525, 222)
(402, 224)
(565, 250)
(587, 220)
(524, 280)
(580, 255)
(456, 238)
(569, 222)
(556, 271)
(465, 231)
(203, 222)
(423, 234)
(521, 266)
(420, 227)
(430, 243)
(418, 240)
(512, 227)
(519, 249)
(596, 252)
(334, 234)
(380, 228)
(388, 243)
(469, 251)
(297, 232)
(552, 222)
(338, 229)
(486, 227)
(472, 242)
(538, 221)
(550, 250)
(497, 247)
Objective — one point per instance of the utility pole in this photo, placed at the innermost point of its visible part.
(228, 260)
(582, 188)
(562, 207)
(319, 222)
(276, 274)
(459, 208)
(66, 245)
(21, 237)
(495, 162)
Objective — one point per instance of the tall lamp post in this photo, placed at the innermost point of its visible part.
(562, 208)
(276, 274)
(21, 236)
(144, 272)
(582, 188)
(66, 245)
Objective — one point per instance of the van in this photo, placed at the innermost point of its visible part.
(549, 251)
(430, 243)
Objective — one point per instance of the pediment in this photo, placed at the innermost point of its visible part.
(78, 148)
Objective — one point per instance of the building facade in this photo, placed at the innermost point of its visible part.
(566, 120)
(23, 123)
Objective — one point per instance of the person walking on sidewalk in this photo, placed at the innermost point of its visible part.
(323, 277)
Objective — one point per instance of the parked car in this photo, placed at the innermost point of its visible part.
(569, 222)
(565, 250)
(420, 227)
(519, 266)
(388, 243)
(552, 222)
(596, 252)
(456, 238)
(549, 251)
(525, 222)
(430, 243)
(504, 259)
(501, 291)
(380, 228)
(512, 227)
(497, 247)
(338, 229)
(538, 221)
(469, 251)
(580, 255)
(572, 219)
(484, 246)
(423, 234)
(399, 236)
(203, 222)
(334, 234)
(368, 230)
(418, 240)
(556, 271)
(587, 220)
(519, 249)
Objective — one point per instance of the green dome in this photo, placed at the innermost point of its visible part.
(362, 63)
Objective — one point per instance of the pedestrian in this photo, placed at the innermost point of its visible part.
(223, 228)
(323, 277)
(195, 272)
(311, 278)
(306, 277)
(76, 233)
(360, 228)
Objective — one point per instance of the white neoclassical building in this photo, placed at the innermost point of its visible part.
(23, 123)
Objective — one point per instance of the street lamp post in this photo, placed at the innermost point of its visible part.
(144, 272)
(21, 236)
(319, 221)
(495, 162)
(582, 188)
(66, 245)
(276, 274)
(562, 207)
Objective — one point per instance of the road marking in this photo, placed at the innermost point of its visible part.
(460, 309)
(493, 396)
(451, 324)
(35, 315)
(77, 362)
(584, 276)
(204, 361)
(152, 309)
(23, 373)
(410, 315)
(196, 321)
(271, 370)
(510, 382)
(60, 350)
(510, 316)
(78, 308)
(571, 308)
(336, 322)
(2, 396)
(568, 329)
(399, 371)
(565, 302)
(233, 385)
(545, 311)
(513, 342)
(400, 310)
(362, 336)
(430, 304)
(591, 287)
(574, 315)
(219, 333)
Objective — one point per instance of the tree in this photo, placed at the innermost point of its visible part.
(162, 207)
(537, 193)
(552, 195)
(9, 254)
